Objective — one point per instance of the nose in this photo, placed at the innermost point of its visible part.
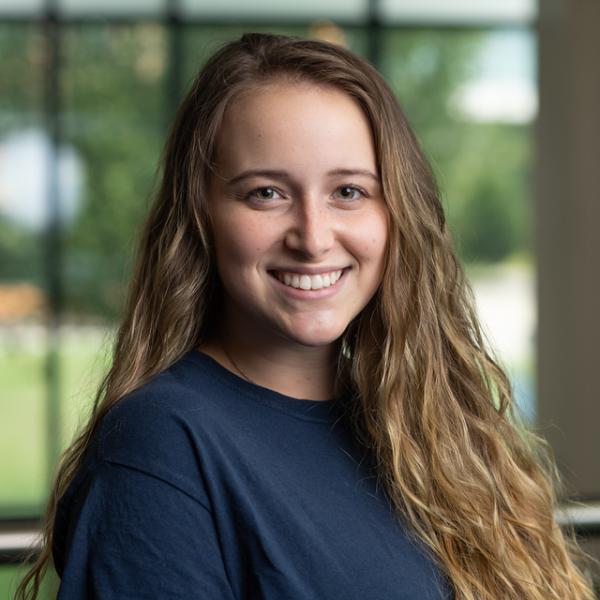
(312, 232)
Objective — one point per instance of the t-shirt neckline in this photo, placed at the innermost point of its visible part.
(312, 410)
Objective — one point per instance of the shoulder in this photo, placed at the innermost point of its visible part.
(159, 428)
(184, 396)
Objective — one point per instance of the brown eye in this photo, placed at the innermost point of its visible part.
(263, 194)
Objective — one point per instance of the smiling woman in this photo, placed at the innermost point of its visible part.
(300, 233)
(301, 404)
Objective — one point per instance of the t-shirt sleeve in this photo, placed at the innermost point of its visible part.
(134, 535)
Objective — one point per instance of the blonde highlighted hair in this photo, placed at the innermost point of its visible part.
(425, 394)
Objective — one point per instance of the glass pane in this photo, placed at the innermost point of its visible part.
(272, 10)
(21, 7)
(84, 359)
(114, 118)
(458, 11)
(472, 111)
(24, 151)
(115, 99)
(111, 7)
(480, 144)
(201, 42)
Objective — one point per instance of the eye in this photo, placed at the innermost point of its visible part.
(350, 192)
(263, 194)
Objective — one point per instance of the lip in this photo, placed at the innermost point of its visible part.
(310, 294)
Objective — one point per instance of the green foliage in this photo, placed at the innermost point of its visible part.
(117, 99)
(20, 257)
(22, 52)
(114, 87)
(483, 169)
(493, 219)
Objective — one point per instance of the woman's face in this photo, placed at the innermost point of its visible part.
(299, 221)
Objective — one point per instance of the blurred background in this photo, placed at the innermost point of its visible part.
(88, 89)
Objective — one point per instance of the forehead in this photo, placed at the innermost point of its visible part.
(296, 123)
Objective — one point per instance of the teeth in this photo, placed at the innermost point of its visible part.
(309, 282)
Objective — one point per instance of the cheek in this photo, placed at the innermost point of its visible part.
(372, 238)
(239, 246)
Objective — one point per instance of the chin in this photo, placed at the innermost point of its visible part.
(316, 338)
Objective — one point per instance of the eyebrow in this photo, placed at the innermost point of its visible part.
(284, 175)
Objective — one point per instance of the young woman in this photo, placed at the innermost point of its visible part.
(301, 405)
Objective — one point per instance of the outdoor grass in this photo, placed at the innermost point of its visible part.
(24, 479)
(10, 575)
(23, 440)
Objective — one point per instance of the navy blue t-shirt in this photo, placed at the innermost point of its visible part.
(201, 485)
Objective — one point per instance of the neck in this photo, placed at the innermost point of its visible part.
(291, 369)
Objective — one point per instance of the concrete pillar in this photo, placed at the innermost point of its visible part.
(568, 239)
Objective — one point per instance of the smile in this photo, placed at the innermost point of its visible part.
(303, 281)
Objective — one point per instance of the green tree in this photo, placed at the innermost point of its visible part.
(117, 103)
(483, 169)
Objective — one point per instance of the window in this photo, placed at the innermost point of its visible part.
(84, 108)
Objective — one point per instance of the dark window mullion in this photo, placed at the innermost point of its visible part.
(52, 30)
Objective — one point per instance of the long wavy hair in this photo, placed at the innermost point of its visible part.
(427, 397)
